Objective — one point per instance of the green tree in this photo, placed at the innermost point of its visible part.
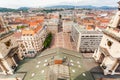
(48, 40)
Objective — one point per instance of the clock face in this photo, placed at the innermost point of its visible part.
(109, 43)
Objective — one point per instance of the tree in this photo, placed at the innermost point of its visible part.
(48, 40)
(20, 27)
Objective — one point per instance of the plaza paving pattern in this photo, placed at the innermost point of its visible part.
(38, 68)
(62, 39)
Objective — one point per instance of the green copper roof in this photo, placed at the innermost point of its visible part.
(37, 68)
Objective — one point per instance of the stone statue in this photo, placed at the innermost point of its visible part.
(119, 5)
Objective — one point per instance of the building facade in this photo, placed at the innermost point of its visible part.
(86, 41)
(52, 25)
(9, 55)
(108, 54)
(67, 25)
(31, 41)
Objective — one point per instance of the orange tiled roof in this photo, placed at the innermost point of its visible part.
(35, 22)
(105, 20)
(32, 31)
(37, 29)
(24, 32)
(39, 21)
(31, 24)
(89, 28)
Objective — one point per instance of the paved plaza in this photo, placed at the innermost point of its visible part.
(38, 68)
(62, 40)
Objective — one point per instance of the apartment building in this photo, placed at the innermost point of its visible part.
(108, 54)
(31, 40)
(86, 41)
(52, 25)
(67, 25)
(9, 55)
(67, 14)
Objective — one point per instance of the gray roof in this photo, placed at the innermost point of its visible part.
(36, 69)
(82, 30)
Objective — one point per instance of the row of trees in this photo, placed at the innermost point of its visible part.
(12, 10)
(20, 27)
(48, 40)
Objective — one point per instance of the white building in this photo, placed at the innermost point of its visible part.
(108, 54)
(85, 41)
(67, 14)
(52, 25)
(31, 40)
(67, 25)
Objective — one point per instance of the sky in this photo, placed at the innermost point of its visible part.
(43, 3)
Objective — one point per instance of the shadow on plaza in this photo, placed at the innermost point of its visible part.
(96, 73)
(21, 63)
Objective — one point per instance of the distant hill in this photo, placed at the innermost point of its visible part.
(61, 6)
(7, 9)
(13, 10)
(107, 7)
(85, 6)
(23, 8)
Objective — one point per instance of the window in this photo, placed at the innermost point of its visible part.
(109, 43)
(23, 34)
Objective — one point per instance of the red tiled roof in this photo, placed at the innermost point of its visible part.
(37, 29)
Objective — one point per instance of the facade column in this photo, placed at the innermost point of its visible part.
(78, 43)
(113, 72)
(14, 61)
(10, 70)
(105, 70)
(2, 67)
